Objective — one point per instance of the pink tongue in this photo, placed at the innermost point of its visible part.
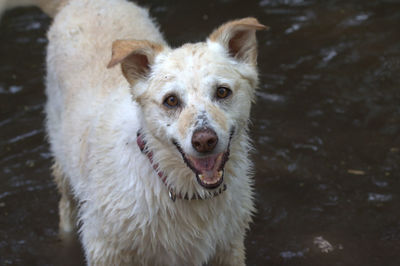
(204, 164)
(208, 166)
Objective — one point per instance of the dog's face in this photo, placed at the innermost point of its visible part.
(194, 99)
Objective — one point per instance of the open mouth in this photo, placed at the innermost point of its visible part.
(209, 170)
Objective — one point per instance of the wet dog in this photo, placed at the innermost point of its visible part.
(150, 143)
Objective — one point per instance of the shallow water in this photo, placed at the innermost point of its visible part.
(326, 128)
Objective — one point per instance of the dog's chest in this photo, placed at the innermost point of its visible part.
(183, 234)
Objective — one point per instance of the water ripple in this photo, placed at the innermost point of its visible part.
(24, 136)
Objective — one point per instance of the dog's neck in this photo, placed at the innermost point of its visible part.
(171, 191)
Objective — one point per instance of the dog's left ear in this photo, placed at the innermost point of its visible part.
(135, 57)
(239, 38)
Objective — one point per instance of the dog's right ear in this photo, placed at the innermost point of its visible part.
(135, 57)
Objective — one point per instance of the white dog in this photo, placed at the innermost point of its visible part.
(155, 152)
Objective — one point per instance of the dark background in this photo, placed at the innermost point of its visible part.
(326, 129)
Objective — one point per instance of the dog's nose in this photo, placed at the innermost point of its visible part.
(204, 140)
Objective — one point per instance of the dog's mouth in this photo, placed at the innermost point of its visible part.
(209, 170)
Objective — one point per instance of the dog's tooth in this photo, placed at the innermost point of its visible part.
(201, 176)
(220, 173)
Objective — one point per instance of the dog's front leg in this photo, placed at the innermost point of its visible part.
(234, 256)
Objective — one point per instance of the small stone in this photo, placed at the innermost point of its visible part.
(355, 172)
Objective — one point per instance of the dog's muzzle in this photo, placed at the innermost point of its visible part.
(173, 195)
(209, 169)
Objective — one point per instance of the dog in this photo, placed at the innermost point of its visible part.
(150, 143)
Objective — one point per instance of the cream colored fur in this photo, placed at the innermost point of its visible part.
(94, 113)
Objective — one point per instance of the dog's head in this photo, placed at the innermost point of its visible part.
(195, 100)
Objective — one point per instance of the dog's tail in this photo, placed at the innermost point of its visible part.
(50, 7)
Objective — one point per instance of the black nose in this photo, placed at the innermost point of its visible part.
(204, 140)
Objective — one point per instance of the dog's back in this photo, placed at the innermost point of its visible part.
(80, 41)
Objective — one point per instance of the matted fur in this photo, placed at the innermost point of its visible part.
(94, 113)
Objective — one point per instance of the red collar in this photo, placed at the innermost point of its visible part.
(171, 191)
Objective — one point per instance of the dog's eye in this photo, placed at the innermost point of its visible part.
(223, 92)
(171, 101)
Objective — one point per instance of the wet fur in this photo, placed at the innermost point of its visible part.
(93, 115)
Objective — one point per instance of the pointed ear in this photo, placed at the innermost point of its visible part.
(239, 38)
(135, 57)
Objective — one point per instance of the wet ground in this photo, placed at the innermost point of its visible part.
(326, 127)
